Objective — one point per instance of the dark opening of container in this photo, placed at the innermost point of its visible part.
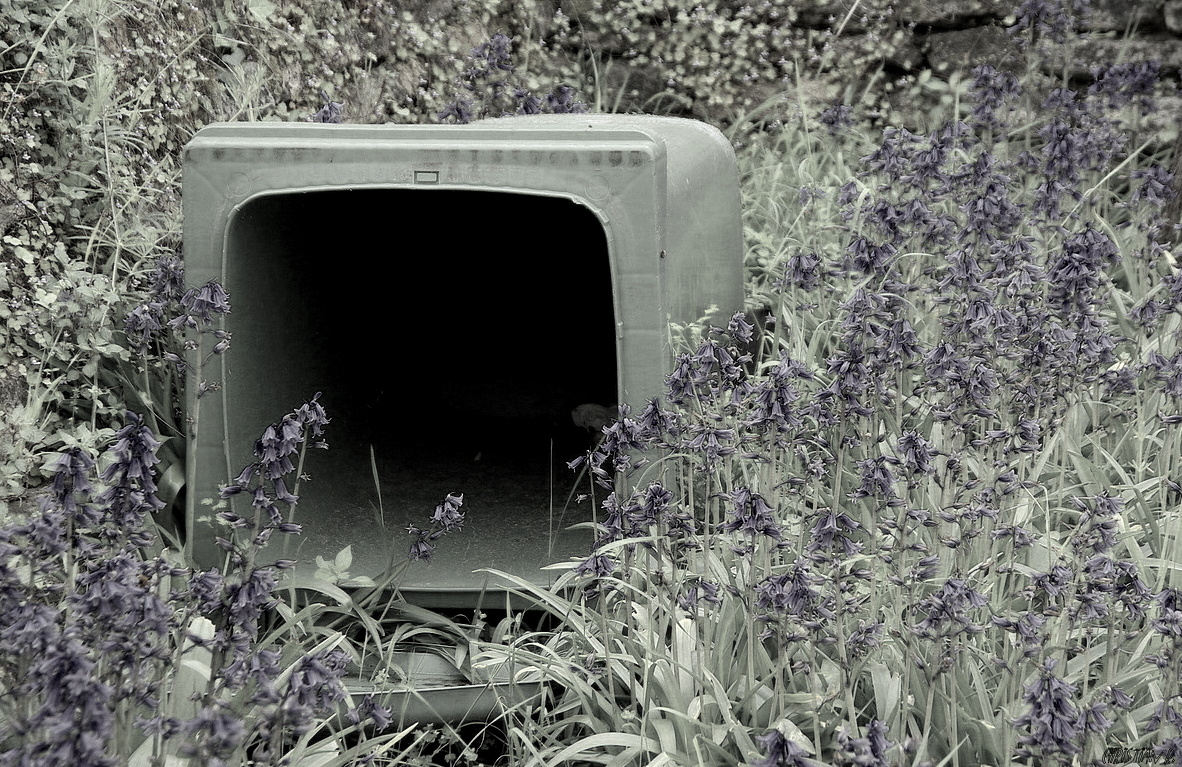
(449, 357)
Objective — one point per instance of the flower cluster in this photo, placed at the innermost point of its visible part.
(265, 482)
(95, 636)
(446, 518)
(331, 112)
(872, 478)
(145, 324)
(1053, 724)
(491, 94)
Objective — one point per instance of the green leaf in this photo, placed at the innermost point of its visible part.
(260, 9)
(344, 559)
(887, 686)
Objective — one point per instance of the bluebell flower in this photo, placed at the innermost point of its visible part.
(562, 101)
(1026, 627)
(206, 589)
(990, 214)
(1075, 140)
(76, 715)
(312, 416)
(596, 566)
(1156, 187)
(792, 594)
(870, 257)
(1055, 581)
(168, 279)
(739, 329)
(990, 91)
(420, 548)
(370, 710)
(1122, 580)
(314, 688)
(1053, 724)
(527, 103)
(944, 362)
(849, 192)
(446, 518)
(833, 530)
(915, 452)
(749, 514)
(927, 164)
(836, 118)
(696, 591)
(459, 110)
(621, 436)
(1171, 748)
(680, 383)
(1096, 531)
(243, 604)
(123, 617)
(801, 270)
(892, 159)
(205, 303)
(779, 751)
(1169, 620)
(330, 112)
(131, 491)
(925, 568)
(31, 628)
(653, 508)
(1122, 84)
(863, 639)
(262, 671)
(1019, 537)
(852, 383)
(773, 398)
(1053, 19)
(877, 480)
(72, 487)
(1075, 271)
(485, 77)
(144, 325)
(866, 751)
(494, 55)
(613, 525)
(448, 515)
(711, 442)
(1166, 372)
(214, 736)
(657, 424)
(946, 612)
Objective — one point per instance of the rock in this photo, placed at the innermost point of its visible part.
(966, 48)
(829, 14)
(1121, 16)
(1091, 51)
(953, 13)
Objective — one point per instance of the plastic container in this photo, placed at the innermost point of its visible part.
(455, 292)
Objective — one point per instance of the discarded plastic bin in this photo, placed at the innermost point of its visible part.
(456, 293)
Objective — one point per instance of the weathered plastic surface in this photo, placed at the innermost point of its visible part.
(424, 688)
(338, 263)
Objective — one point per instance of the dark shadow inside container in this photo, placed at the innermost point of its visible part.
(451, 333)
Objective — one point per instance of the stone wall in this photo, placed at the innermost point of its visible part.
(912, 41)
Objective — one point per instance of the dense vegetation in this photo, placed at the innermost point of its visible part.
(919, 505)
